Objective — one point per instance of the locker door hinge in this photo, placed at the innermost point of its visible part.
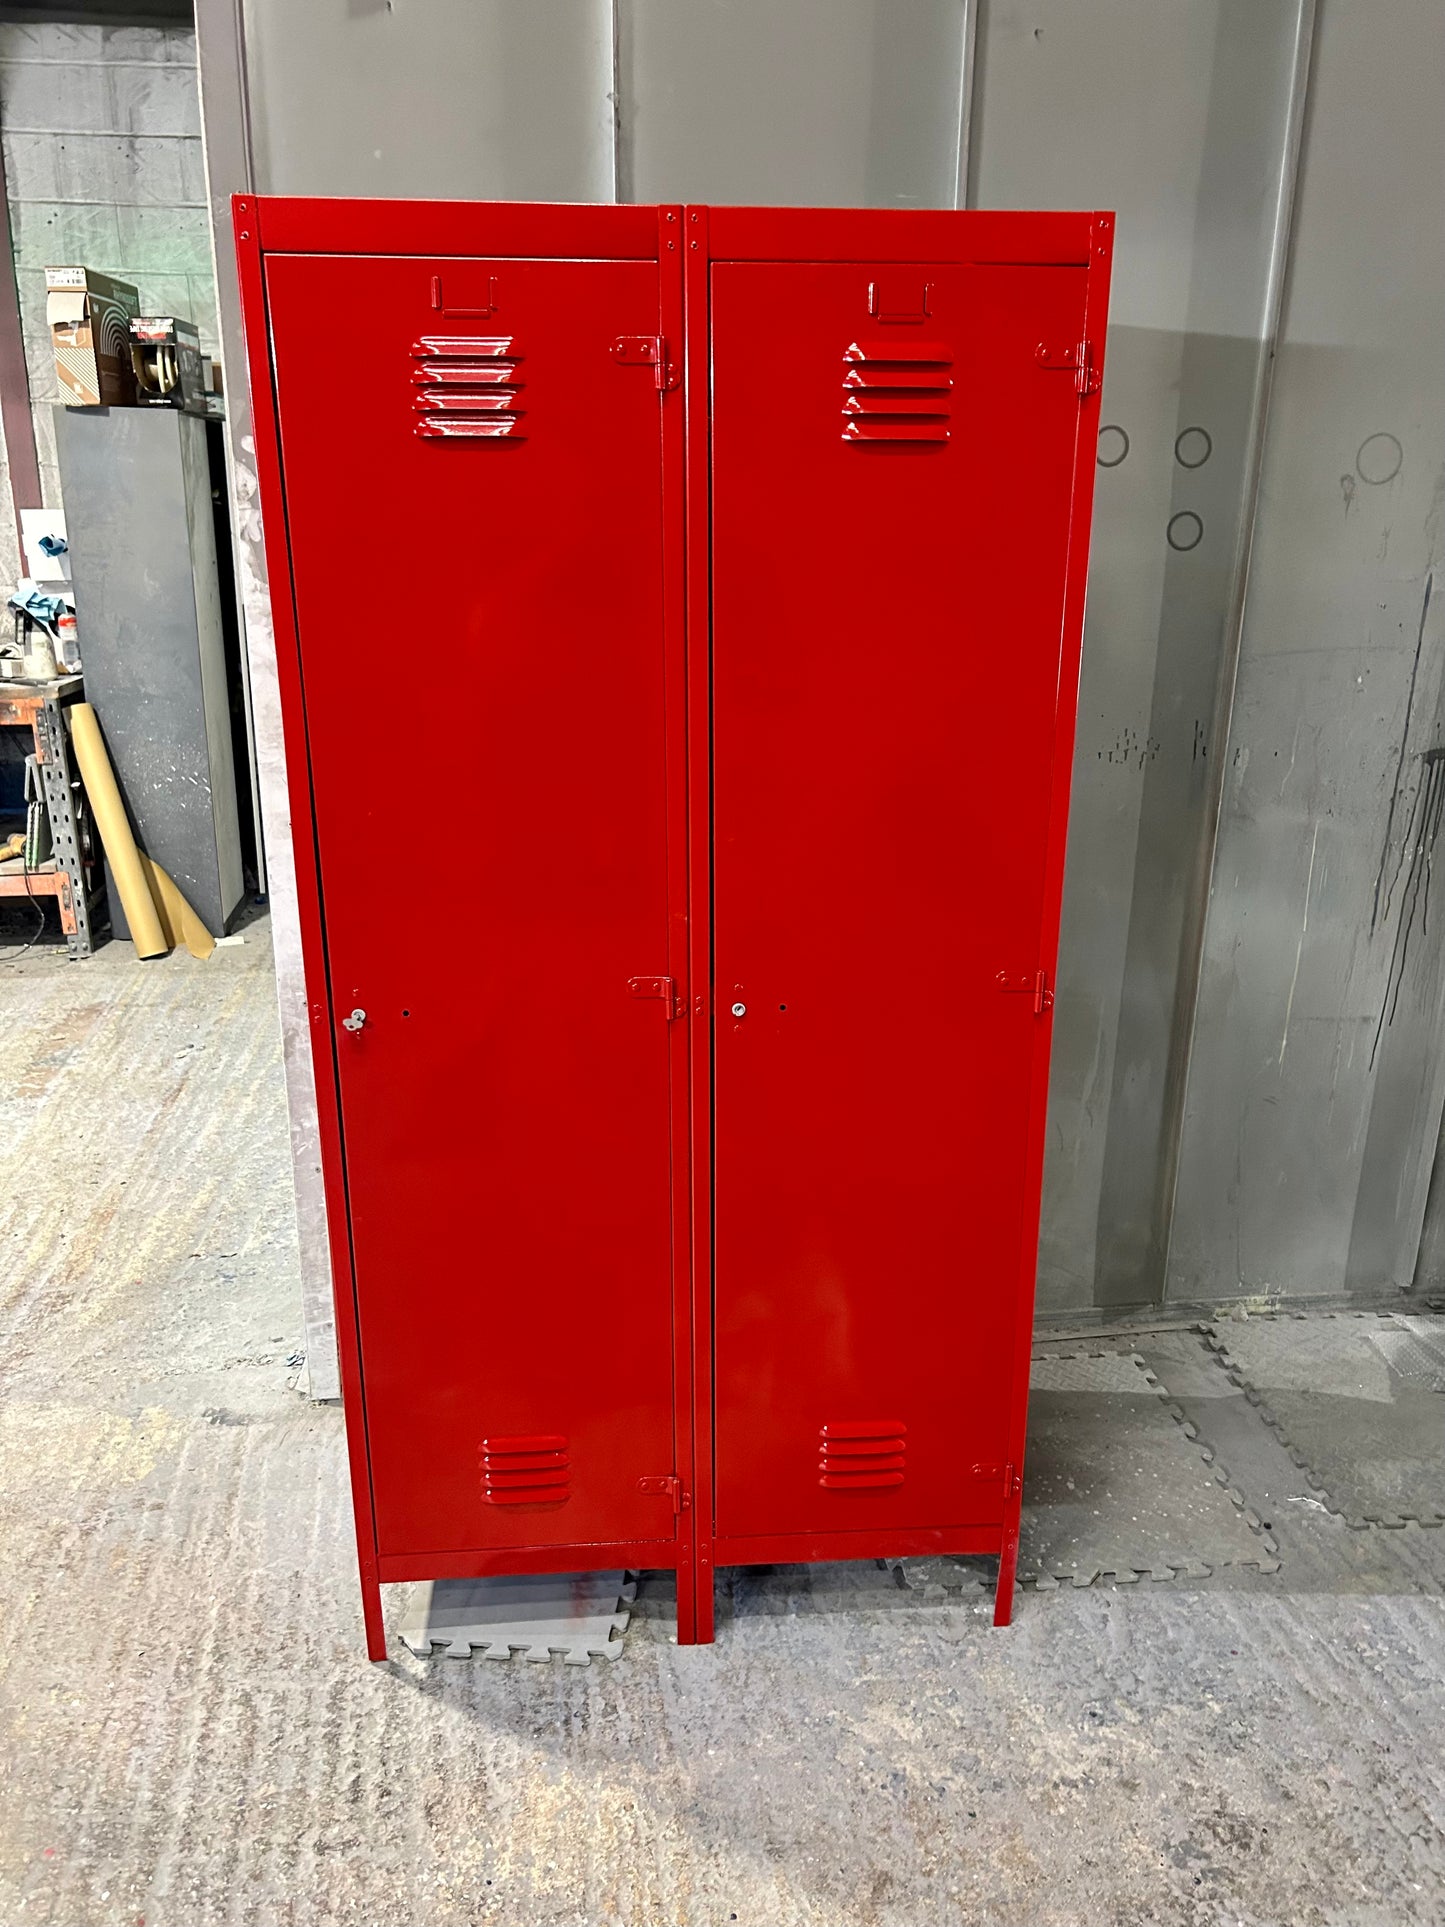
(663, 987)
(1006, 1474)
(1028, 983)
(665, 1485)
(1078, 360)
(647, 351)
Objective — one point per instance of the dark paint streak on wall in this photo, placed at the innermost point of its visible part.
(1415, 866)
(1418, 852)
(1400, 763)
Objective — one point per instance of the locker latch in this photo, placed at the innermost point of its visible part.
(665, 1485)
(663, 987)
(646, 351)
(1077, 359)
(1028, 983)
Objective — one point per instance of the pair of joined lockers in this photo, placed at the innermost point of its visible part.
(680, 900)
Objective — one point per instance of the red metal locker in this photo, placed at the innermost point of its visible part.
(903, 414)
(474, 439)
(683, 916)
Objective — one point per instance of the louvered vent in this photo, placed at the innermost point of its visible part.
(896, 390)
(526, 1470)
(467, 387)
(861, 1452)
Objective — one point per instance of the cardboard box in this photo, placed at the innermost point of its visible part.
(165, 354)
(89, 316)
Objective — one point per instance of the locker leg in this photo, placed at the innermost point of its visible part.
(371, 1614)
(695, 1604)
(686, 1603)
(706, 1617)
(1008, 1564)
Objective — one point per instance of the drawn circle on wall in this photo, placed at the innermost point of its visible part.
(1113, 445)
(1193, 447)
(1379, 458)
(1185, 530)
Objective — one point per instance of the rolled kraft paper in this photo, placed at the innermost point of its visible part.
(110, 819)
(179, 921)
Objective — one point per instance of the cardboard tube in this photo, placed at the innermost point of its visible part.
(110, 819)
(179, 921)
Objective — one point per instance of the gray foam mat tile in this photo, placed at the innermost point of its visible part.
(1185, 1366)
(580, 1615)
(1359, 1401)
(852, 1587)
(1114, 1482)
(1414, 1349)
(1324, 1356)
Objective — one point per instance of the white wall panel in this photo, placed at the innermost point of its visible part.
(1174, 115)
(453, 99)
(1317, 1070)
(818, 103)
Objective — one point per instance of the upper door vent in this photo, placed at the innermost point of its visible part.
(895, 390)
(467, 387)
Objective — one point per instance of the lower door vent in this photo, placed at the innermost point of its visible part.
(526, 1469)
(857, 1453)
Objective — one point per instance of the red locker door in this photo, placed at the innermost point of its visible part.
(891, 516)
(481, 633)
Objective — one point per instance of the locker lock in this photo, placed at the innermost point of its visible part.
(355, 1021)
(740, 1010)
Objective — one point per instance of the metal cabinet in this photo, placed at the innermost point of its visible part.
(137, 485)
(688, 1123)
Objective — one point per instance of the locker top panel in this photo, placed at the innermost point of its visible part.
(290, 225)
(287, 224)
(906, 234)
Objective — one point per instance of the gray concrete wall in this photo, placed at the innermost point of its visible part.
(102, 134)
(1211, 630)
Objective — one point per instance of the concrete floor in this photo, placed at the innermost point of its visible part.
(189, 1733)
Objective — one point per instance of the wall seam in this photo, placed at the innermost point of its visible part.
(1276, 292)
(618, 184)
(967, 65)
